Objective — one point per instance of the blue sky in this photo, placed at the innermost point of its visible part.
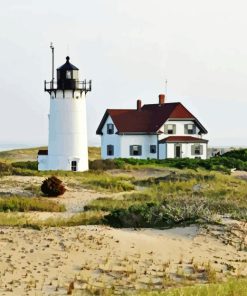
(128, 48)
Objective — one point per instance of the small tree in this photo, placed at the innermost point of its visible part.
(52, 186)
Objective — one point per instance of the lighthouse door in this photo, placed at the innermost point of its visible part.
(74, 166)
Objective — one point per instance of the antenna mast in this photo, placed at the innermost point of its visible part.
(166, 83)
(52, 53)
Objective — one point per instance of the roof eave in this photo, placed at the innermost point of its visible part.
(137, 133)
(102, 123)
(183, 141)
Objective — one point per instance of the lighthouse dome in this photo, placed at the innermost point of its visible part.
(67, 76)
(67, 66)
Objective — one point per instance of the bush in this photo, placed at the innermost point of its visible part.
(28, 165)
(53, 187)
(223, 164)
(240, 154)
(104, 164)
(155, 214)
(5, 169)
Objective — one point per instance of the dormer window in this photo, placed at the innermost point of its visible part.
(110, 128)
(189, 129)
(170, 129)
(68, 74)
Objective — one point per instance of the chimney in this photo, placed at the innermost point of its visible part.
(161, 99)
(138, 105)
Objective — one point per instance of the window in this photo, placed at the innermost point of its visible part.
(189, 129)
(170, 129)
(135, 150)
(152, 148)
(74, 166)
(68, 74)
(110, 150)
(110, 128)
(197, 149)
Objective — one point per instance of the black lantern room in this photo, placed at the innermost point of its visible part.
(67, 79)
(67, 76)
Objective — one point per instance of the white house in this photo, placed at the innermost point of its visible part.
(160, 131)
(67, 147)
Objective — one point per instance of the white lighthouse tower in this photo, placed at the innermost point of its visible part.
(67, 147)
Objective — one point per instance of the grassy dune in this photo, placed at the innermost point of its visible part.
(175, 197)
(233, 287)
(31, 154)
(25, 204)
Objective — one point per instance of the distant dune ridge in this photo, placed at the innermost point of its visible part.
(12, 153)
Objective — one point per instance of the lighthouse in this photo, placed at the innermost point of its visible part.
(67, 144)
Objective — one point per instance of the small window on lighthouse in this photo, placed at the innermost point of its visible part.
(73, 166)
(68, 75)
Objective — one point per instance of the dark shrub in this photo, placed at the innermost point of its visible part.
(105, 164)
(165, 214)
(5, 169)
(223, 164)
(29, 165)
(52, 186)
(240, 154)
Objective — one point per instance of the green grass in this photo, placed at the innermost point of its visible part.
(26, 204)
(105, 182)
(184, 197)
(109, 204)
(233, 287)
(95, 180)
(84, 218)
(12, 219)
(222, 163)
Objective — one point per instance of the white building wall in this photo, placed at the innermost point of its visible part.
(179, 128)
(42, 162)
(67, 132)
(112, 139)
(122, 143)
(163, 151)
(170, 150)
(186, 150)
(144, 140)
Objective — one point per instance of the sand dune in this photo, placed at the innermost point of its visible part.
(46, 262)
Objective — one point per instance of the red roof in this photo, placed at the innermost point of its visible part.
(148, 119)
(182, 139)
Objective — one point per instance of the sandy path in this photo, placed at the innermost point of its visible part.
(240, 174)
(74, 200)
(46, 262)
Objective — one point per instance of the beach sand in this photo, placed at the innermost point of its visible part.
(49, 261)
(71, 260)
